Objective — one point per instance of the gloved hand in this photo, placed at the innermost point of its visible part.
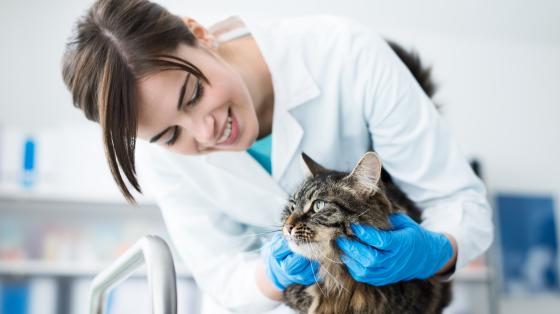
(284, 267)
(407, 252)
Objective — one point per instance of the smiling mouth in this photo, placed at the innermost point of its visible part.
(231, 132)
(227, 129)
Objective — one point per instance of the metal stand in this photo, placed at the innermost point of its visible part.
(152, 251)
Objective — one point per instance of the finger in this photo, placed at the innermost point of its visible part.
(295, 263)
(400, 221)
(280, 248)
(358, 272)
(362, 253)
(380, 239)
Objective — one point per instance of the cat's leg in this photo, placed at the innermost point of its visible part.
(296, 297)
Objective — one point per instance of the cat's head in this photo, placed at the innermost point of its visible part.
(327, 202)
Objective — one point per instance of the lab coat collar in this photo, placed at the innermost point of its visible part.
(293, 86)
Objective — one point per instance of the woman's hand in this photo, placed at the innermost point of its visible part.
(284, 267)
(407, 252)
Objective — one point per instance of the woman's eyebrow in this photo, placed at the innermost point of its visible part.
(181, 96)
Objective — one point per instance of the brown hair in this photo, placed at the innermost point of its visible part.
(116, 43)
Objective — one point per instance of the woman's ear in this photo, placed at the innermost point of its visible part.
(200, 32)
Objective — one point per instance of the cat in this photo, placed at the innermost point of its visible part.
(321, 209)
(356, 198)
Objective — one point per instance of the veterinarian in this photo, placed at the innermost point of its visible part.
(212, 122)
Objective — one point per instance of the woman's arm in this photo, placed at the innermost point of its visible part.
(451, 264)
(417, 147)
(265, 285)
(223, 261)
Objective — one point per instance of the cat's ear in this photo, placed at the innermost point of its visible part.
(367, 171)
(309, 166)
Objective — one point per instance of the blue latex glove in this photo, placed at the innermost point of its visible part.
(285, 267)
(407, 252)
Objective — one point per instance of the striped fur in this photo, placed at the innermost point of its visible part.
(344, 198)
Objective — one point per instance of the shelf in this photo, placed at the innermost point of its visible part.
(69, 194)
(37, 203)
(66, 269)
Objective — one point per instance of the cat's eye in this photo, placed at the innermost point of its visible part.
(318, 205)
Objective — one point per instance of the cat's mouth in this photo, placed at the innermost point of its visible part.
(303, 235)
(309, 249)
(313, 246)
(297, 240)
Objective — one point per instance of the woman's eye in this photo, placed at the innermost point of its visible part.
(199, 89)
(173, 137)
(318, 205)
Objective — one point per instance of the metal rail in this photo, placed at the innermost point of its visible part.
(152, 251)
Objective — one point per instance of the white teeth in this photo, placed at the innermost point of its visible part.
(227, 131)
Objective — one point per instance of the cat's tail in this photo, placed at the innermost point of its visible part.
(421, 73)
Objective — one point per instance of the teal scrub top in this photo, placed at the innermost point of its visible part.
(260, 151)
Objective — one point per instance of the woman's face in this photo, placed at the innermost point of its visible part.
(188, 116)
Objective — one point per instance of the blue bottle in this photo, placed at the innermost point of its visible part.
(28, 175)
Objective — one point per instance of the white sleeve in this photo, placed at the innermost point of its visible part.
(417, 148)
(215, 248)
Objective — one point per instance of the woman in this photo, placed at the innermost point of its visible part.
(222, 115)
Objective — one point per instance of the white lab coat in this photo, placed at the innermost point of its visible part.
(339, 90)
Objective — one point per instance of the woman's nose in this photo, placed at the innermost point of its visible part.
(204, 131)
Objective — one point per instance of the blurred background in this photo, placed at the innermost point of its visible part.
(497, 64)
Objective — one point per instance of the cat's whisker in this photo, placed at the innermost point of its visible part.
(317, 252)
(316, 281)
(328, 258)
(311, 247)
(255, 250)
(256, 234)
(338, 282)
(259, 248)
(272, 226)
(365, 211)
(311, 250)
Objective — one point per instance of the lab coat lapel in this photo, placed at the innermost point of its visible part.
(293, 87)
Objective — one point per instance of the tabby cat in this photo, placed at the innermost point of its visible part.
(320, 210)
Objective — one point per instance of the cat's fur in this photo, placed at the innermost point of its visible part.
(368, 196)
(359, 197)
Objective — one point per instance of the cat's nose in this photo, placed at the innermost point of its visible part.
(288, 229)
